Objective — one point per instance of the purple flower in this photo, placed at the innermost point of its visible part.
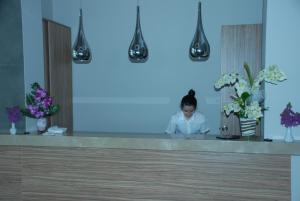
(13, 114)
(39, 103)
(40, 93)
(39, 114)
(289, 118)
(33, 109)
(47, 102)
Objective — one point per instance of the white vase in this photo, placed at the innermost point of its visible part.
(288, 135)
(41, 124)
(13, 129)
(247, 126)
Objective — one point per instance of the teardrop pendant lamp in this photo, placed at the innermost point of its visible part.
(138, 51)
(81, 51)
(199, 48)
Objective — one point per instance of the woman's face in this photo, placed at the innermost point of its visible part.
(188, 111)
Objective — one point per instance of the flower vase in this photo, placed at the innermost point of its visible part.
(247, 126)
(288, 135)
(13, 129)
(41, 124)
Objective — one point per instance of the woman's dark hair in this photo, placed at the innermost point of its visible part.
(189, 99)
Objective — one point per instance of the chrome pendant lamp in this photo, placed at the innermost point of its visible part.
(81, 51)
(138, 51)
(199, 48)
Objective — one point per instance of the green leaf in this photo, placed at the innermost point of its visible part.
(248, 72)
(29, 99)
(26, 112)
(35, 86)
(54, 109)
(245, 95)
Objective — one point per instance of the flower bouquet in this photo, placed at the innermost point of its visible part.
(289, 119)
(14, 115)
(247, 103)
(38, 103)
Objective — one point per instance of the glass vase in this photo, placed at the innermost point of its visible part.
(41, 125)
(289, 135)
(13, 129)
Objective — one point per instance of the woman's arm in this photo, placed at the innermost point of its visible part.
(203, 127)
(171, 126)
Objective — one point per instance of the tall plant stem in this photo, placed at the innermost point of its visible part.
(250, 78)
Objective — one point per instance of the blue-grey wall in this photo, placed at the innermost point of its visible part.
(282, 31)
(11, 61)
(111, 94)
(282, 48)
(47, 9)
(33, 52)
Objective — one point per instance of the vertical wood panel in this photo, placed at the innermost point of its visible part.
(240, 43)
(10, 173)
(58, 71)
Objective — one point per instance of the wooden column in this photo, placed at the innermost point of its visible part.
(58, 71)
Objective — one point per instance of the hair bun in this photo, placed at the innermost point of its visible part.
(191, 92)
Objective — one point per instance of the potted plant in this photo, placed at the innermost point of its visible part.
(14, 115)
(289, 119)
(39, 105)
(247, 101)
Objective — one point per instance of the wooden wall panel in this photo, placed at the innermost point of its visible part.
(239, 44)
(10, 173)
(58, 71)
(63, 174)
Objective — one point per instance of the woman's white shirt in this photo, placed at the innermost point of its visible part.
(179, 126)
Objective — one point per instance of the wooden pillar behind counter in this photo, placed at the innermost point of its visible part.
(71, 173)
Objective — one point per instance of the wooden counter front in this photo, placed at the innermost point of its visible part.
(96, 173)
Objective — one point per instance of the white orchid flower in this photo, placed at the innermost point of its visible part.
(226, 79)
(248, 107)
(253, 111)
(241, 86)
(231, 107)
(273, 74)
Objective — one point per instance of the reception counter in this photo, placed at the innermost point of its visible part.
(93, 166)
(206, 143)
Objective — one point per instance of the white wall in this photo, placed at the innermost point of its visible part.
(112, 94)
(32, 48)
(282, 48)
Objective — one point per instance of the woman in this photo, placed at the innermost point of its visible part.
(187, 122)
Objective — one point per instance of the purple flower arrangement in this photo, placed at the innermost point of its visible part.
(39, 104)
(13, 114)
(289, 118)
